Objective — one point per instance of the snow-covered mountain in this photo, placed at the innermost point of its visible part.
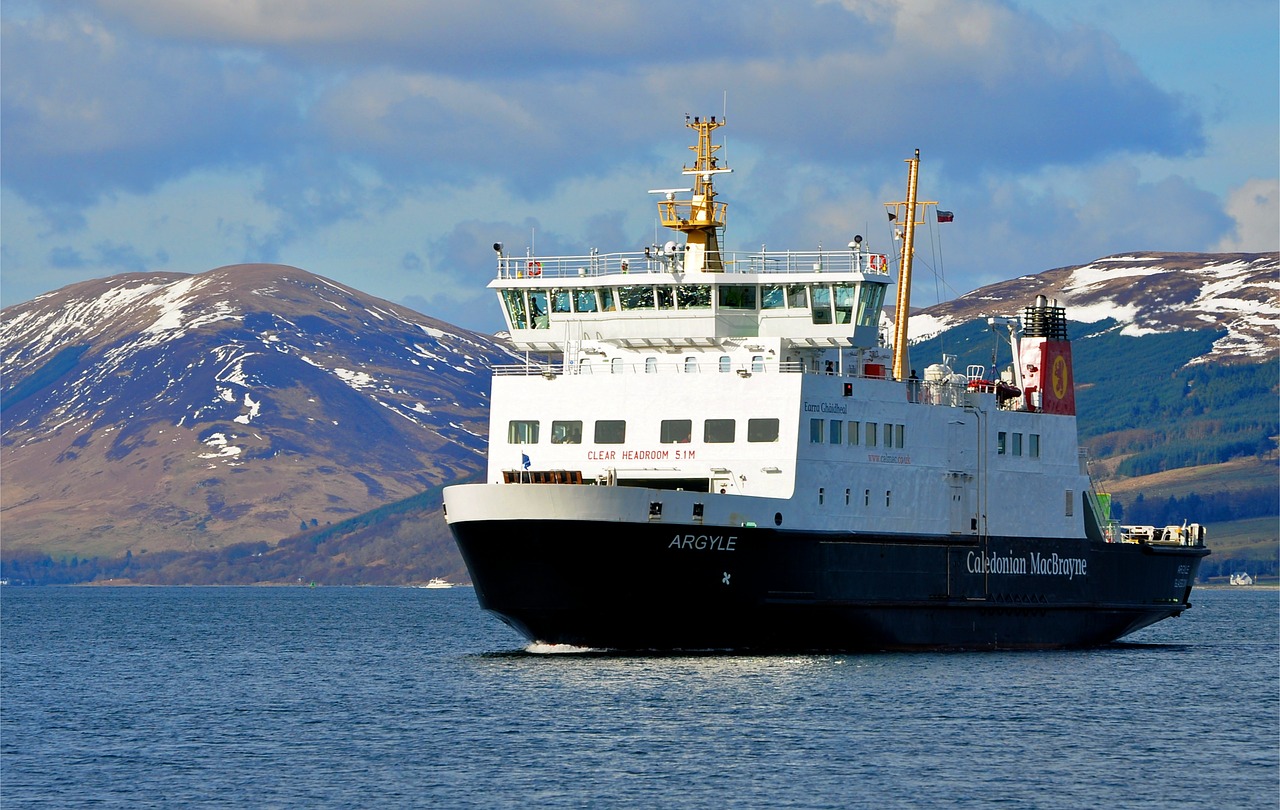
(1145, 293)
(172, 411)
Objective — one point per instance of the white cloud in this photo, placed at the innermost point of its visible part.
(1255, 206)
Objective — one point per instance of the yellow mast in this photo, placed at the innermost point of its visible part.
(699, 217)
(905, 212)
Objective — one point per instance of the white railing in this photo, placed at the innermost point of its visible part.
(662, 260)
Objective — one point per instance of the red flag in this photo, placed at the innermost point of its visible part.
(945, 216)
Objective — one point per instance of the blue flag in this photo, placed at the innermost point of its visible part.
(525, 458)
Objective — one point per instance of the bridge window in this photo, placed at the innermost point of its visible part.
(762, 430)
(737, 296)
(797, 296)
(611, 431)
(872, 430)
(522, 431)
(845, 294)
(676, 431)
(585, 301)
(815, 431)
(538, 317)
(514, 299)
(901, 430)
(1017, 444)
(607, 302)
(1002, 440)
(853, 433)
(1033, 445)
(835, 436)
(888, 435)
(566, 432)
(693, 296)
(719, 431)
(666, 298)
(869, 303)
(772, 296)
(821, 303)
(636, 297)
(560, 301)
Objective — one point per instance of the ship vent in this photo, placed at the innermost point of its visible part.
(1045, 321)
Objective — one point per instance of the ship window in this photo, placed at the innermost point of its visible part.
(1033, 445)
(901, 431)
(757, 363)
(846, 497)
(737, 296)
(666, 298)
(1002, 440)
(560, 301)
(514, 300)
(607, 302)
(762, 430)
(691, 365)
(797, 296)
(615, 365)
(636, 297)
(585, 366)
(853, 433)
(872, 430)
(866, 497)
(821, 303)
(718, 431)
(725, 364)
(772, 296)
(888, 497)
(651, 365)
(835, 437)
(676, 431)
(538, 310)
(844, 302)
(815, 431)
(566, 432)
(822, 495)
(1070, 502)
(585, 300)
(869, 303)
(1017, 444)
(522, 431)
(693, 296)
(888, 435)
(611, 431)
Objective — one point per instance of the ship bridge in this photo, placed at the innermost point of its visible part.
(649, 298)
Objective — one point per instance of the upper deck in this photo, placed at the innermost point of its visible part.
(653, 298)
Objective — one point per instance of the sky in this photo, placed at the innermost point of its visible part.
(387, 144)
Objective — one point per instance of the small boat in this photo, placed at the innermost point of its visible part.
(437, 582)
(1241, 579)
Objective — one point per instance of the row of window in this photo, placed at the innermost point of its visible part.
(827, 303)
(870, 434)
(616, 365)
(848, 497)
(614, 431)
(1014, 448)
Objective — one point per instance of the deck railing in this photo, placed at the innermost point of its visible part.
(670, 258)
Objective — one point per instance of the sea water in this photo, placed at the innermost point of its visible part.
(383, 697)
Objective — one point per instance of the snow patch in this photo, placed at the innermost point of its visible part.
(253, 406)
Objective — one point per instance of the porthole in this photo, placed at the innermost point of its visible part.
(777, 518)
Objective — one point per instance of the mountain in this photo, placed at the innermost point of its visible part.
(166, 411)
(1147, 293)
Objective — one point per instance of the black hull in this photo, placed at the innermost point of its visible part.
(659, 587)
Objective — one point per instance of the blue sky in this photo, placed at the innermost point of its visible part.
(387, 144)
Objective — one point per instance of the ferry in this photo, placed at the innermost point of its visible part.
(705, 449)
